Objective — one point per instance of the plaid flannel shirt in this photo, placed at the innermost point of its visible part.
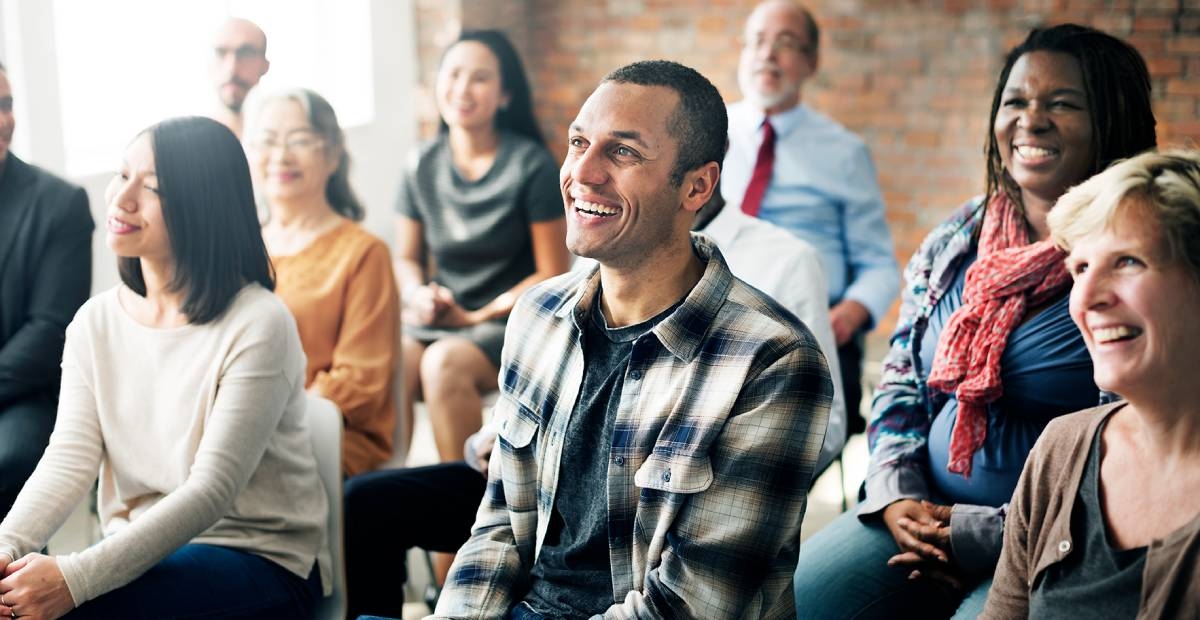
(721, 418)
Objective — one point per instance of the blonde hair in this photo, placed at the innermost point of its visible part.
(1161, 186)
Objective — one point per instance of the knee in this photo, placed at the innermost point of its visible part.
(444, 365)
(362, 498)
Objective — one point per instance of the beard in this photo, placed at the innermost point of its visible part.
(747, 81)
(234, 101)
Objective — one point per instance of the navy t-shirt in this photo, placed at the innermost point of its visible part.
(1045, 371)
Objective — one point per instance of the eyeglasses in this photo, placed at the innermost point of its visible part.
(293, 143)
(784, 43)
(241, 53)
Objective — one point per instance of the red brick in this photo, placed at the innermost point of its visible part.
(921, 138)
(1179, 106)
(1155, 23)
(1184, 44)
(1180, 86)
(1114, 24)
(1165, 67)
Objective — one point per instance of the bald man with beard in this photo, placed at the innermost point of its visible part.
(238, 62)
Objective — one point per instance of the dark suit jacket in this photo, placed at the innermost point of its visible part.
(45, 275)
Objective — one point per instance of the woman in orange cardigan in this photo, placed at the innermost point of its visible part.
(334, 276)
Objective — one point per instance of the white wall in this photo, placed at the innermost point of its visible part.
(378, 149)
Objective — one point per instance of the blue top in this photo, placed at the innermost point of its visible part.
(823, 190)
(1045, 371)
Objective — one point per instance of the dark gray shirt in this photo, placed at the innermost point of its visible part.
(477, 232)
(1098, 578)
(572, 577)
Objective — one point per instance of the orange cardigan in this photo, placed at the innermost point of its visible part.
(343, 294)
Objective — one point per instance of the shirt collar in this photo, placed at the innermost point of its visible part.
(725, 226)
(783, 122)
(682, 332)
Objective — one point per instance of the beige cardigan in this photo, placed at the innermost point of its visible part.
(1037, 532)
(198, 434)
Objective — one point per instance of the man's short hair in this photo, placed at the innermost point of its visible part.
(698, 124)
(811, 29)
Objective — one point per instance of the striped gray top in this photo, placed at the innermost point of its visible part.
(478, 231)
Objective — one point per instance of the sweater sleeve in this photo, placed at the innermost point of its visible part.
(67, 469)
(358, 380)
(251, 396)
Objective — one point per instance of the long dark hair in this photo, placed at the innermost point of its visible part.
(516, 117)
(1117, 84)
(208, 209)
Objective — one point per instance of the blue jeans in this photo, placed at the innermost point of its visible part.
(843, 573)
(206, 581)
(522, 611)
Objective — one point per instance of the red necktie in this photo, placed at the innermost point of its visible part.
(752, 201)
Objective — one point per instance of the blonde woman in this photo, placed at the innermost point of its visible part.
(1106, 517)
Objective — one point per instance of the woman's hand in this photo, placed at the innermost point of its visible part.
(922, 531)
(425, 304)
(34, 587)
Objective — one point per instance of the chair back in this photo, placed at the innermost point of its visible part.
(325, 430)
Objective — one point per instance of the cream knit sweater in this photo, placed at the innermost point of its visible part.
(197, 433)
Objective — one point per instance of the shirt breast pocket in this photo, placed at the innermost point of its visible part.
(518, 462)
(666, 483)
(518, 426)
(675, 473)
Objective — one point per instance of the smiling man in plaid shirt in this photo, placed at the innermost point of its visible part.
(660, 419)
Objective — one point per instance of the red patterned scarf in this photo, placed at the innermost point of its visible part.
(1009, 275)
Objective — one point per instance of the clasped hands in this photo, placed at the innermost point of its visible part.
(33, 587)
(922, 531)
(434, 305)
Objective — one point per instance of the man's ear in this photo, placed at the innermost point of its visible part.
(699, 185)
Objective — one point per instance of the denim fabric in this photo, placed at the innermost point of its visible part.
(843, 573)
(207, 581)
(524, 612)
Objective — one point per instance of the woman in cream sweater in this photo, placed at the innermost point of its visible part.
(183, 390)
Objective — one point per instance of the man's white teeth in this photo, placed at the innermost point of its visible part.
(595, 209)
(1034, 152)
(1112, 334)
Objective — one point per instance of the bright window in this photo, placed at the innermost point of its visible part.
(126, 64)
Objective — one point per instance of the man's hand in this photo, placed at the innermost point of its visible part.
(847, 316)
(485, 441)
(34, 587)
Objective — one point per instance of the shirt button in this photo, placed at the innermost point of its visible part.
(636, 375)
(1064, 546)
(620, 460)
(667, 476)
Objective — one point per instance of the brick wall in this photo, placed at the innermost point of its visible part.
(913, 77)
